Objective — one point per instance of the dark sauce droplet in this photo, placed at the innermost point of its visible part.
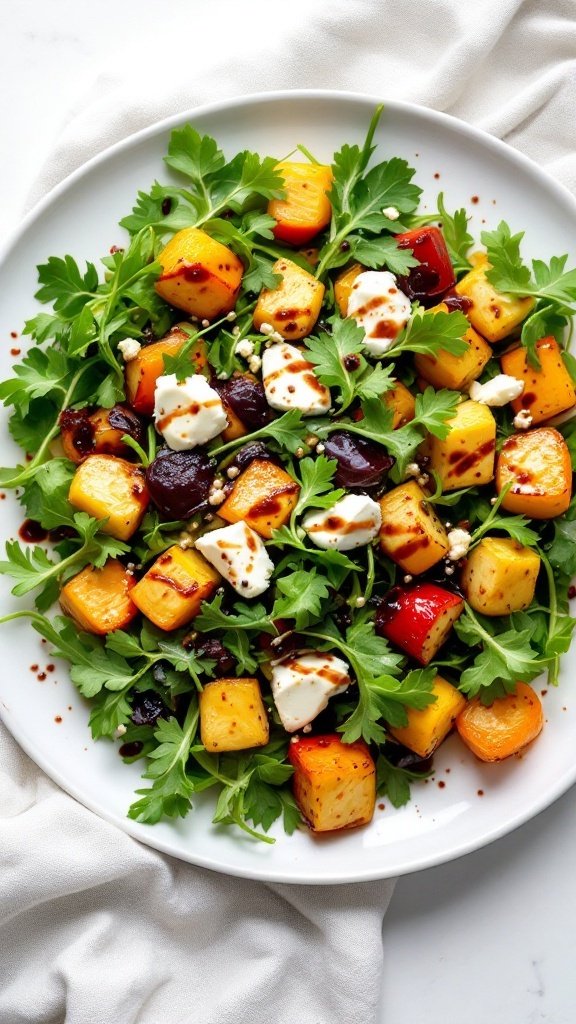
(130, 749)
(31, 532)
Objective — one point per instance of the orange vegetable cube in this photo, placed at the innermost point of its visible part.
(263, 496)
(465, 458)
(411, 533)
(547, 391)
(171, 592)
(402, 403)
(428, 728)
(537, 464)
(293, 307)
(455, 372)
(232, 715)
(493, 314)
(505, 727)
(199, 274)
(110, 488)
(500, 576)
(306, 209)
(88, 431)
(343, 286)
(142, 372)
(334, 782)
(99, 599)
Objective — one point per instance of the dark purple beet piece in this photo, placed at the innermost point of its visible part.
(179, 482)
(361, 463)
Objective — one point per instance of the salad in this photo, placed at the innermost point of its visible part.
(303, 455)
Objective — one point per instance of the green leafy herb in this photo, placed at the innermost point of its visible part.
(354, 377)
(456, 235)
(394, 782)
(505, 657)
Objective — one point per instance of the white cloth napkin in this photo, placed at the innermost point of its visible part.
(95, 927)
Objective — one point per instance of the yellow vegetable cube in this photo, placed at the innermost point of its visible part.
(142, 372)
(465, 458)
(411, 533)
(343, 286)
(500, 576)
(428, 727)
(99, 599)
(171, 592)
(547, 391)
(334, 782)
(294, 306)
(402, 403)
(493, 314)
(455, 372)
(263, 496)
(199, 274)
(232, 715)
(538, 467)
(110, 488)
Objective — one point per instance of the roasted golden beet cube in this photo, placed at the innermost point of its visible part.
(99, 599)
(263, 496)
(232, 715)
(547, 391)
(455, 372)
(171, 592)
(199, 274)
(293, 307)
(88, 431)
(465, 458)
(109, 488)
(334, 782)
(500, 576)
(504, 727)
(428, 727)
(402, 403)
(493, 314)
(538, 467)
(305, 209)
(411, 533)
(343, 286)
(142, 372)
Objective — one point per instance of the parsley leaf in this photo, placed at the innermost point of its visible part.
(394, 782)
(330, 359)
(432, 333)
(172, 787)
(303, 594)
(287, 431)
(250, 617)
(456, 235)
(505, 658)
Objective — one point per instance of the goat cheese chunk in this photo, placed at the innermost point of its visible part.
(239, 555)
(351, 523)
(129, 349)
(290, 382)
(380, 309)
(459, 541)
(303, 683)
(187, 412)
(497, 392)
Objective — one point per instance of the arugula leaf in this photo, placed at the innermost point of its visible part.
(456, 235)
(303, 594)
(287, 431)
(251, 617)
(334, 564)
(172, 787)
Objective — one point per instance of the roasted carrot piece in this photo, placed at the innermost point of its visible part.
(503, 728)
(547, 391)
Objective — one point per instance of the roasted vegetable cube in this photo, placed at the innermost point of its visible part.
(418, 619)
(427, 728)
(263, 496)
(465, 458)
(232, 715)
(411, 533)
(500, 576)
(505, 727)
(109, 488)
(402, 403)
(143, 371)
(306, 209)
(88, 431)
(99, 599)
(171, 592)
(334, 782)
(455, 372)
(293, 307)
(343, 286)
(547, 391)
(199, 274)
(493, 314)
(537, 464)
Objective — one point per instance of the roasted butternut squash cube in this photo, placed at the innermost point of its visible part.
(99, 599)
(537, 465)
(232, 715)
(343, 286)
(171, 592)
(305, 209)
(504, 727)
(455, 372)
(411, 533)
(493, 314)
(235, 427)
(428, 728)
(547, 391)
(294, 306)
(402, 403)
(500, 576)
(199, 274)
(110, 488)
(334, 782)
(142, 372)
(263, 496)
(465, 458)
(99, 431)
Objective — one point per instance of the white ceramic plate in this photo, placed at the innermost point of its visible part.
(467, 804)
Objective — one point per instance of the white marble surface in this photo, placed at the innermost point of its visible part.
(488, 938)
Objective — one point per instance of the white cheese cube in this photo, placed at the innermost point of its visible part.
(239, 555)
(290, 382)
(380, 308)
(352, 522)
(188, 412)
(303, 683)
(497, 392)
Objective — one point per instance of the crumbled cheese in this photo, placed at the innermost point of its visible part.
(496, 392)
(120, 731)
(129, 349)
(412, 469)
(360, 602)
(216, 497)
(236, 331)
(231, 315)
(351, 523)
(303, 683)
(320, 448)
(270, 332)
(232, 472)
(290, 382)
(459, 541)
(254, 363)
(408, 578)
(244, 348)
(205, 323)
(380, 308)
(523, 419)
(239, 555)
(187, 413)
(391, 212)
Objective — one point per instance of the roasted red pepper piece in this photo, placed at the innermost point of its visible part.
(418, 619)
(435, 273)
